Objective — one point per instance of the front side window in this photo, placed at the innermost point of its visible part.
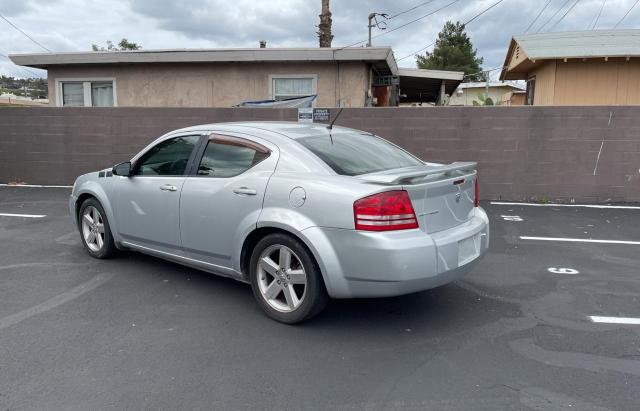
(353, 154)
(284, 88)
(168, 158)
(87, 93)
(229, 156)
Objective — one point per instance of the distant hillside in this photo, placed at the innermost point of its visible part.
(30, 87)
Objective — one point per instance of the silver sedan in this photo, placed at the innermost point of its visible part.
(299, 211)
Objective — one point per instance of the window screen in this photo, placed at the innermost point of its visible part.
(72, 95)
(284, 88)
(87, 93)
(228, 158)
(168, 158)
(102, 94)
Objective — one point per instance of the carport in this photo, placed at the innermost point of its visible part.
(419, 86)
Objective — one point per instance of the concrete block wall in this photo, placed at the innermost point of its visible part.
(582, 154)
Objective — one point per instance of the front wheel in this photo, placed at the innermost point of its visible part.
(285, 279)
(94, 228)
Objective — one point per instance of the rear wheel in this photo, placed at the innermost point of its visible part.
(285, 279)
(94, 229)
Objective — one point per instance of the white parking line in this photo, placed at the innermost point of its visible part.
(32, 186)
(615, 320)
(23, 215)
(579, 240)
(565, 205)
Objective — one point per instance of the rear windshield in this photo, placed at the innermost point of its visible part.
(352, 154)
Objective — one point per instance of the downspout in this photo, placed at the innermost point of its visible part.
(339, 88)
(336, 89)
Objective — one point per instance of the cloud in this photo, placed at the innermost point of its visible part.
(244, 24)
(73, 25)
(10, 8)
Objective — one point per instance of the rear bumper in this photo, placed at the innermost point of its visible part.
(372, 264)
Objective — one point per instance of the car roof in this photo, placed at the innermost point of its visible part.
(290, 129)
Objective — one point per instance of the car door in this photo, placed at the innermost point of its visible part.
(148, 202)
(222, 199)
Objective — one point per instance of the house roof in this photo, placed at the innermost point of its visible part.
(382, 56)
(439, 74)
(573, 44)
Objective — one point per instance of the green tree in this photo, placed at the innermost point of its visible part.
(453, 51)
(483, 100)
(124, 44)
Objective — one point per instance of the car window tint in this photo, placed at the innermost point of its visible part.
(228, 159)
(168, 158)
(353, 154)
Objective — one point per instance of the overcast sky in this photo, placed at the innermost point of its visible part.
(73, 25)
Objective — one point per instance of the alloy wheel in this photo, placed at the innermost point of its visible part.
(93, 228)
(282, 279)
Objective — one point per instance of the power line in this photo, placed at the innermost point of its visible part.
(626, 14)
(463, 24)
(403, 25)
(483, 71)
(26, 70)
(482, 12)
(417, 51)
(411, 9)
(553, 16)
(20, 30)
(564, 15)
(418, 19)
(599, 14)
(537, 17)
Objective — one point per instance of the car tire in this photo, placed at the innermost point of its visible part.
(95, 232)
(286, 280)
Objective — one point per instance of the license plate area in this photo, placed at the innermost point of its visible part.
(468, 249)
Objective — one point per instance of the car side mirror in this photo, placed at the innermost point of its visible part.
(122, 169)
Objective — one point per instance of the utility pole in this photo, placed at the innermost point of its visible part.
(372, 18)
(486, 76)
(324, 28)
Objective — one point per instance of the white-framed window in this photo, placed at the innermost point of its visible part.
(82, 92)
(284, 86)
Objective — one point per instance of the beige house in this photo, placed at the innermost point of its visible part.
(467, 93)
(600, 67)
(513, 98)
(348, 77)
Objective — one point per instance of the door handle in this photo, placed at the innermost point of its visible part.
(168, 187)
(245, 191)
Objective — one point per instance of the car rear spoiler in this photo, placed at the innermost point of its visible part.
(406, 176)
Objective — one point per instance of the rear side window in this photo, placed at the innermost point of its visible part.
(230, 156)
(352, 154)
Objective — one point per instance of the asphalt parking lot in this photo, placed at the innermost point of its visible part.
(140, 333)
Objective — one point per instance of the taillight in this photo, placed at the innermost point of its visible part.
(476, 189)
(386, 211)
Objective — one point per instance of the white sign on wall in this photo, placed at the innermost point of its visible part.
(305, 115)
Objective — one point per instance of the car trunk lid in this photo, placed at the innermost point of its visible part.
(443, 196)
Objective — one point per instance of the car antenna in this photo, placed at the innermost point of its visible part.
(330, 126)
